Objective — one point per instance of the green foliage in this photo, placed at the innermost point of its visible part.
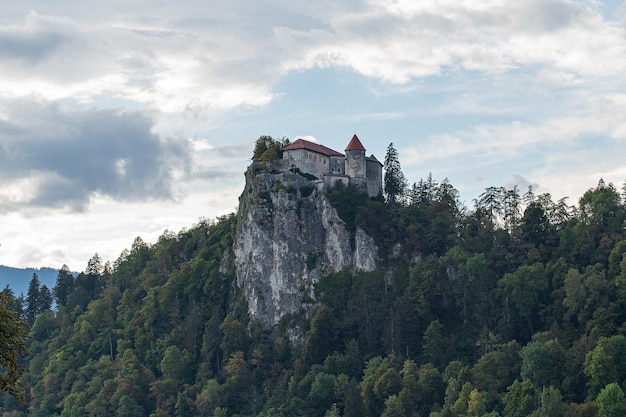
(525, 289)
(606, 363)
(64, 285)
(543, 363)
(321, 339)
(13, 335)
(311, 260)
(346, 201)
(266, 148)
(611, 401)
(519, 400)
(38, 299)
(514, 308)
(394, 183)
(306, 175)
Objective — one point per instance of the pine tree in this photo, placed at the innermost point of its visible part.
(45, 296)
(64, 285)
(394, 181)
(33, 299)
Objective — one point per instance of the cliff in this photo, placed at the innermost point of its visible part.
(288, 236)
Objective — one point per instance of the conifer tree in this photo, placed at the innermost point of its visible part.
(33, 299)
(64, 285)
(394, 180)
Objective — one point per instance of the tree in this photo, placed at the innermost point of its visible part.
(434, 344)
(13, 335)
(267, 148)
(45, 298)
(611, 401)
(585, 293)
(535, 224)
(175, 364)
(128, 407)
(519, 401)
(476, 404)
(543, 363)
(33, 300)
(64, 285)
(321, 393)
(183, 406)
(551, 403)
(497, 369)
(393, 407)
(606, 364)
(322, 336)
(394, 180)
(602, 206)
(492, 201)
(234, 337)
(333, 411)
(525, 288)
(511, 202)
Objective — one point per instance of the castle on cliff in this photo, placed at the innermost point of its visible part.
(329, 166)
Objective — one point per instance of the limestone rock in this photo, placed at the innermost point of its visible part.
(288, 236)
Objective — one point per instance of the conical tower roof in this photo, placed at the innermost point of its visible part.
(355, 145)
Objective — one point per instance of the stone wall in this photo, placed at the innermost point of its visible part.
(309, 162)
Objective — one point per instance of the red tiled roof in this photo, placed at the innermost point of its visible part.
(310, 146)
(355, 145)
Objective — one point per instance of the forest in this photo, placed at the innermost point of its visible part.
(513, 307)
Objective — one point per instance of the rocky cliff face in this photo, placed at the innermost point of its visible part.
(288, 236)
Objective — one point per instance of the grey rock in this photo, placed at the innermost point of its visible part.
(288, 236)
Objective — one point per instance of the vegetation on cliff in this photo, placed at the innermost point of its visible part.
(515, 307)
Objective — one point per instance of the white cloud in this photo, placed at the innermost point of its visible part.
(511, 77)
(179, 64)
(397, 41)
(306, 137)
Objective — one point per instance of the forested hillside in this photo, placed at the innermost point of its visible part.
(18, 278)
(513, 307)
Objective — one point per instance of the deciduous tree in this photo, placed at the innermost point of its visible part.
(267, 148)
(13, 335)
(611, 401)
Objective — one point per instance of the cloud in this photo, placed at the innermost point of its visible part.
(63, 158)
(398, 41)
(586, 117)
(33, 41)
(310, 138)
(198, 59)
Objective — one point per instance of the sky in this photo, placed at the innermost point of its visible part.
(124, 119)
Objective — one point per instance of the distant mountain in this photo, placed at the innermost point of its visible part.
(18, 278)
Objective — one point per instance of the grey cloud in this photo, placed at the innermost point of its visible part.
(522, 183)
(233, 151)
(74, 155)
(212, 175)
(542, 16)
(33, 41)
(28, 47)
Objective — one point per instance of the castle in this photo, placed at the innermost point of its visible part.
(329, 166)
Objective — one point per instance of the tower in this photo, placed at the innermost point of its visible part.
(355, 159)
